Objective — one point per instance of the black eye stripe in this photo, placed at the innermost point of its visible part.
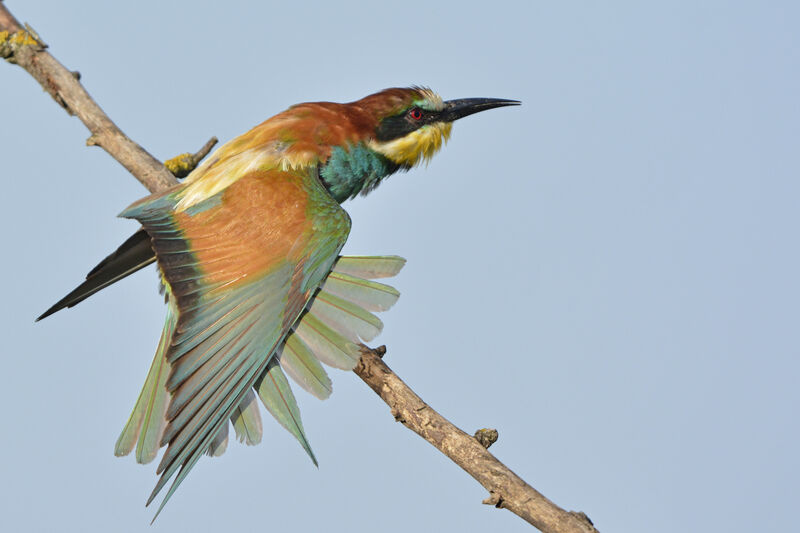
(401, 125)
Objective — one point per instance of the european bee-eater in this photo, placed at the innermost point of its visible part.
(248, 250)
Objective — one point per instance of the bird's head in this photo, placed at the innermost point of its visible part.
(412, 124)
(392, 130)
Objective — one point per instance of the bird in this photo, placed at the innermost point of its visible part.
(248, 251)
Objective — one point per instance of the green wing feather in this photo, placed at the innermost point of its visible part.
(351, 320)
(370, 266)
(246, 420)
(328, 346)
(146, 423)
(220, 442)
(227, 331)
(276, 395)
(304, 368)
(370, 295)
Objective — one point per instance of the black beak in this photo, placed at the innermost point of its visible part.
(456, 109)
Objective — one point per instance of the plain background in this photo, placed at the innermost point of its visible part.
(607, 274)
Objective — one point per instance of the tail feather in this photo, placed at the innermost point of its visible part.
(132, 255)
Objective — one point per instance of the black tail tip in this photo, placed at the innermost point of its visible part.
(49, 312)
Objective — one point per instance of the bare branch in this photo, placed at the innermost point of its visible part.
(506, 489)
(21, 45)
(27, 51)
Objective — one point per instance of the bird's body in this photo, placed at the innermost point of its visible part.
(248, 248)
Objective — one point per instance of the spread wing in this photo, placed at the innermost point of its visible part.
(240, 267)
(335, 321)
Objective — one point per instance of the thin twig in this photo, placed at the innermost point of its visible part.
(506, 489)
(182, 165)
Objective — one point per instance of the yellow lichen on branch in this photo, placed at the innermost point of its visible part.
(5, 47)
(181, 165)
(11, 42)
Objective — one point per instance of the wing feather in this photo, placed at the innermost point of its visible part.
(370, 295)
(240, 269)
(304, 368)
(370, 266)
(276, 395)
(355, 323)
(220, 442)
(328, 346)
(147, 422)
(247, 420)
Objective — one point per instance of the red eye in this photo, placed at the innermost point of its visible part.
(415, 113)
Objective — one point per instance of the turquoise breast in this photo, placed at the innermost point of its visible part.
(354, 170)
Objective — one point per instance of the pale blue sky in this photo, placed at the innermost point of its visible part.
(607, 274)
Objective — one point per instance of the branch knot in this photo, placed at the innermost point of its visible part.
(494, 499)
(486, 437)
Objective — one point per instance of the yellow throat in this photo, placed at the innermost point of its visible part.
(416, 146)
